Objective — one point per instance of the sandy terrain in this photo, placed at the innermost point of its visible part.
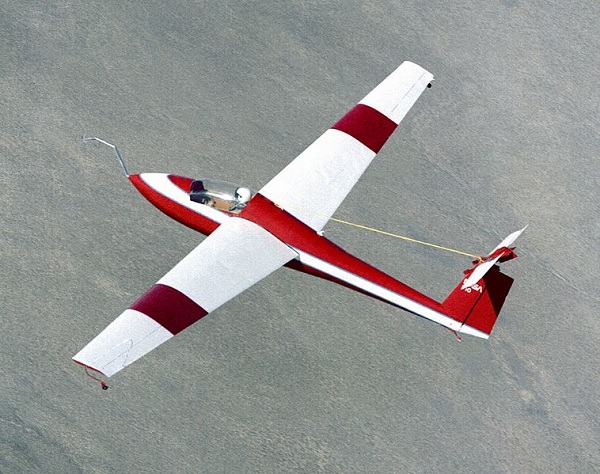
(297, 374)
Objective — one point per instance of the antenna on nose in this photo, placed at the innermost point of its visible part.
(114, 147)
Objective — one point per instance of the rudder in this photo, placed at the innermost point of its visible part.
(479, 305)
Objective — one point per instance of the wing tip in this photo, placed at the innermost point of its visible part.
(88, 366)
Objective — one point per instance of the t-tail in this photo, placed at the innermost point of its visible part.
(477, 300)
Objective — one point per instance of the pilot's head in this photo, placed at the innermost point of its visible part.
(242, 195)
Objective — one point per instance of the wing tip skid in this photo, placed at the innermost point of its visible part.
(87, 368)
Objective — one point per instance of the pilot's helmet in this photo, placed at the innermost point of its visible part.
(242, 195)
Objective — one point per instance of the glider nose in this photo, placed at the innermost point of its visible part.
(171, 194)
(141, 180)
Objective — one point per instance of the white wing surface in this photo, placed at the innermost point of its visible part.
(314, 185)
(234, 257)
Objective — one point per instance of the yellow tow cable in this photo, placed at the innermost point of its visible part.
(372, 229)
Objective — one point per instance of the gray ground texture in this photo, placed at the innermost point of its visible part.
(298, 374)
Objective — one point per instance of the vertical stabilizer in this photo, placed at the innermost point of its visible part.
(478, 306)
(477, 300)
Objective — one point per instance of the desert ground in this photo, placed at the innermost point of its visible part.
(298, 374)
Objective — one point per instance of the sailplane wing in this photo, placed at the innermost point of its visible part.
(314, 185)
(234, 257)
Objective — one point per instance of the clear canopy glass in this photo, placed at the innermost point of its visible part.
(221, 195)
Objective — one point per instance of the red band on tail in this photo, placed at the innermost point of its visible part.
(478, 306)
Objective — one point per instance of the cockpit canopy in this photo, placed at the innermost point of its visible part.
(221, 195)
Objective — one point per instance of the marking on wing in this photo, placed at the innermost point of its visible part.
(169, 307)
(367, 125)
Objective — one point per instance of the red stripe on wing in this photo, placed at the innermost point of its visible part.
(367, 125)
(169, 307)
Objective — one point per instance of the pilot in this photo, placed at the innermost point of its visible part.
(199, 194)
(241, 197)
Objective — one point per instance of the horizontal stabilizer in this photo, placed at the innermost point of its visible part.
(508, 241)
(502, 252)
(478, 273)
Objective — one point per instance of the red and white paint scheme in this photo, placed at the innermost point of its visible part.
(250, 235)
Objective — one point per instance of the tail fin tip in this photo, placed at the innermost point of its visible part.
(476, 301)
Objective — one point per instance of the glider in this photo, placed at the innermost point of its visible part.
(252, 234)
